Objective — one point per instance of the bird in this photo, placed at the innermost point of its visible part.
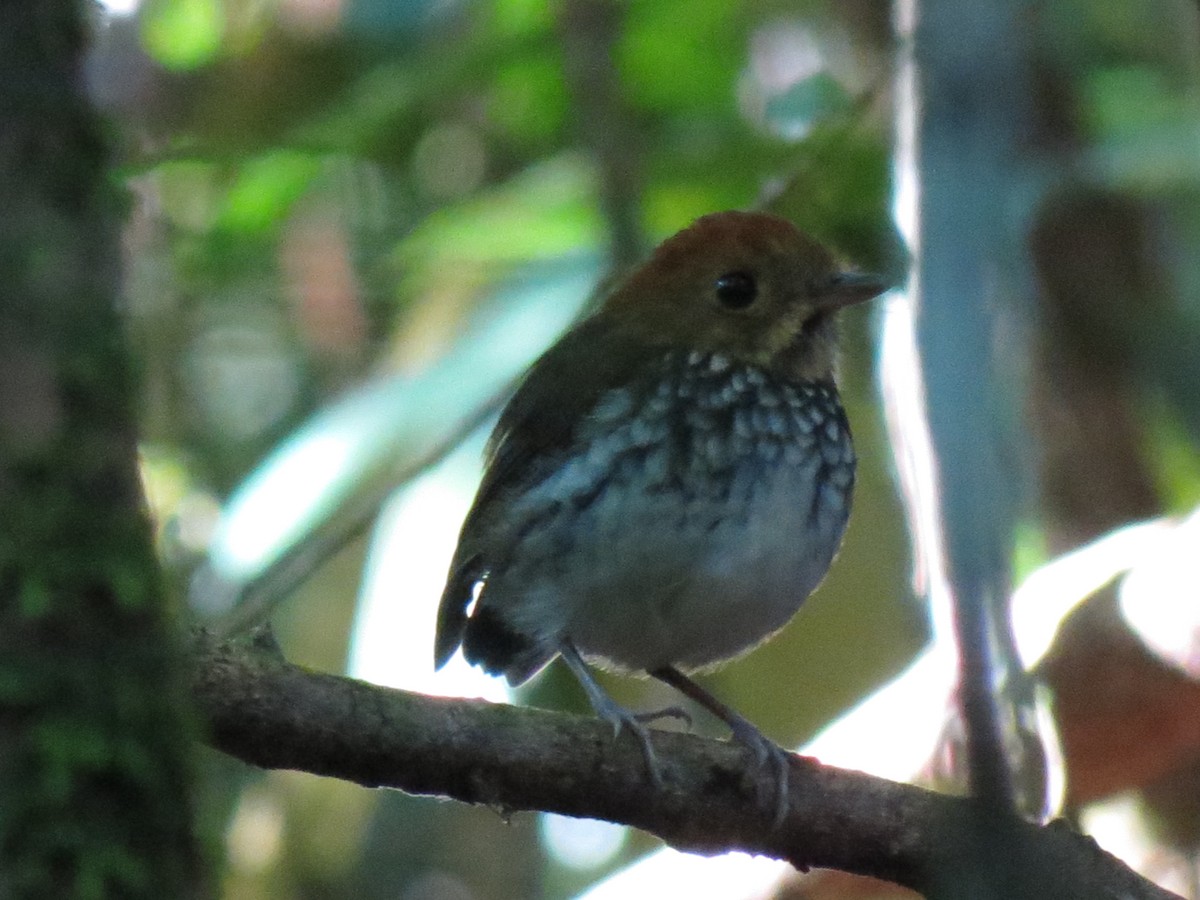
(670, 480)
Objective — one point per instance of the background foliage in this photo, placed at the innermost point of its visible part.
(351, 223)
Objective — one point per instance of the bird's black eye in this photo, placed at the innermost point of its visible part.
(736, 290)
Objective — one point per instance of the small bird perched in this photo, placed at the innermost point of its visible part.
(671, 479)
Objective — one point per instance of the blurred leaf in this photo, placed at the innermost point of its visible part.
(671, 205)
(189, 192)
(795, 111)
(265, 189)
(1177, 462)
(528, 100)
(183, 34)
(1029, 549)
(1129, 99)
(541, 214)
(682, 54)
(372, 105)
(515, 17)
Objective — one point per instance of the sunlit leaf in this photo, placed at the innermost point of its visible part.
(528, 99)
(542, 214)
(183, 34)
(682, 54)
(265, 189)
(1178, 467)
(521, 16)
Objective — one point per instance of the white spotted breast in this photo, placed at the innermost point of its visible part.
(691, 515)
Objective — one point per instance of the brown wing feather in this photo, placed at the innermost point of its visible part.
(536, 427)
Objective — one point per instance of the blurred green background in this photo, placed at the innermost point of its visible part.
(352, 222)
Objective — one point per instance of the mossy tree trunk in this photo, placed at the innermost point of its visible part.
(95, 774)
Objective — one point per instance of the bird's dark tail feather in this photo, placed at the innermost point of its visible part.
(489, 642)
(452, 611)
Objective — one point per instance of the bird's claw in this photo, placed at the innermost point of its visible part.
(618, 716)
(622, 719)
(767, 754)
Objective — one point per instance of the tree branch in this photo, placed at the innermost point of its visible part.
(589, 31)
(270, 713)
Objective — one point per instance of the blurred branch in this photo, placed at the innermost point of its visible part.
(589, 31)
(269, 713)
(973, 98)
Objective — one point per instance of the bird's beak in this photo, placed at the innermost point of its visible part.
(848, 288)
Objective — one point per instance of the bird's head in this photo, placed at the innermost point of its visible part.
(749, 285)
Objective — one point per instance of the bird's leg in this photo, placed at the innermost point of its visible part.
(766, 752)
(618, 716)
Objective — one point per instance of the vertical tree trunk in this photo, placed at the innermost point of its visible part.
(95, 775)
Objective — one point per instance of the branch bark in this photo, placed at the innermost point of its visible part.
(272, 714)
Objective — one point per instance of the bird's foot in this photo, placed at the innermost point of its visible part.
(767, 755)
(766, 752)
(622, 719)
(618, 716)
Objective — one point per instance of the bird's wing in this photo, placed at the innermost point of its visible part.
(536, 428)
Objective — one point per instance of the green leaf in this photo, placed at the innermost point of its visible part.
(265, 190)
(183, 34)
(682, 54)
(541, 214)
